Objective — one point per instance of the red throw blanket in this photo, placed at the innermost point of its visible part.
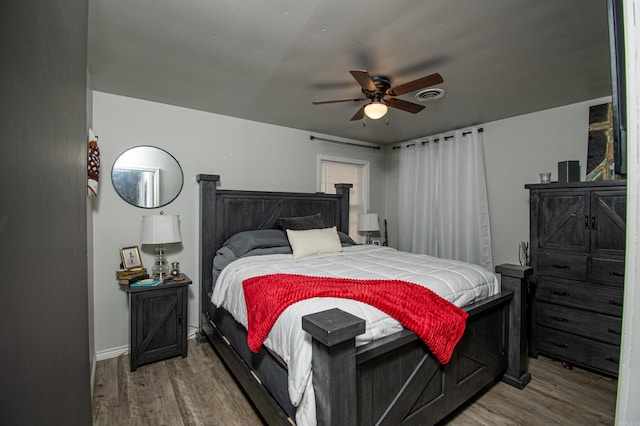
(439, 323)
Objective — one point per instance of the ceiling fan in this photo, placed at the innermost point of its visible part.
(377, 89)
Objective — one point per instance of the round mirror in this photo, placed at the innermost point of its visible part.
(147, 177)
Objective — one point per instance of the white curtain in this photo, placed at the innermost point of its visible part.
(442, 200)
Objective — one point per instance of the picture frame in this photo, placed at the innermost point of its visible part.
(375, 242)
(130, 258)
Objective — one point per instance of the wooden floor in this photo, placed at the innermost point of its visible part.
(198, 390)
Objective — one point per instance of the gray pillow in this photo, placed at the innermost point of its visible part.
(301, 223)
(243, 242)
(346, 240)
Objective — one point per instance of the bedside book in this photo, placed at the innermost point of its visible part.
(150, 282)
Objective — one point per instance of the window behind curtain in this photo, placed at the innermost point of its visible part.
(355, 172)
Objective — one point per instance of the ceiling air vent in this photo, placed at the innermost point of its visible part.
(428, 95)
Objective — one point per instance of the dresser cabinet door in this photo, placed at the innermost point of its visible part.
(562, 220)
(608, 219)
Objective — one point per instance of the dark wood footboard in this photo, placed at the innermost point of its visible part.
(398, 381)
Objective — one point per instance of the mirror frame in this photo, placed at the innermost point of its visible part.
(160, 202)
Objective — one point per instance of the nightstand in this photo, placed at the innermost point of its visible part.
(158, 319)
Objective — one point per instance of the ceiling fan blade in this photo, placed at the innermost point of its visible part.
(364, 80)
(339, 100)
(414, 85)
(359, 114)
(404, 105)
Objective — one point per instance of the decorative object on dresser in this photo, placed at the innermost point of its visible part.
(545, 177)
(600, 151)
(577, 252)
(368, 222)
(569, 171)
(158, 320)
(160, 230)
(523, 253)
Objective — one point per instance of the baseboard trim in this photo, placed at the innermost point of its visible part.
(112, 353)
(121, 350)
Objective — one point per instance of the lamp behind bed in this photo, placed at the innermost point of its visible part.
(368, 222)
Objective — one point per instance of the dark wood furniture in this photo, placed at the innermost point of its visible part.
(577, 252)
(392, 380)
(158, 321)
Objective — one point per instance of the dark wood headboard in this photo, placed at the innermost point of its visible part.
(227, 212)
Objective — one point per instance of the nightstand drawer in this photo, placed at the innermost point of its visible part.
(607, 271)
(597, 355)
(604, 328)
(592, 297)
(562, 265)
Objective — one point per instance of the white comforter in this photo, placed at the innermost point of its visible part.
(458, 282)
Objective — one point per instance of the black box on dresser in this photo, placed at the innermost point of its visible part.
(577, 240)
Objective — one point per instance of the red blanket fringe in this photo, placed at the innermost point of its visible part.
(439, 323)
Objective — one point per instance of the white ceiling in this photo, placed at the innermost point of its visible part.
(268, 60)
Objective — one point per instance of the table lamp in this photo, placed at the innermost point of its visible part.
(368, 222)
(160, 230)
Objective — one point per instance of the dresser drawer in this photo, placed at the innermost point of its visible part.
(592, 297)
(604, 328)
(607, 271)
(569, 347)
(572, 266)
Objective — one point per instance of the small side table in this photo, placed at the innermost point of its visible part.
(158, 319)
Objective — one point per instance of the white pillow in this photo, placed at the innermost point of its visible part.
(314, 241)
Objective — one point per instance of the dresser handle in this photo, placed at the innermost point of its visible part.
(179, 319)
(616, 274)
(612, 331)
(560, 345)
(594, 222)
(612, 359)
(614, 303)
(564, 293)
(557, 266)
(559, 319)
(586, 221)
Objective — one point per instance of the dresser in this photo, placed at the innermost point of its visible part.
(577, 240)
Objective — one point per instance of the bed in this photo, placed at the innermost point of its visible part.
(395, 379)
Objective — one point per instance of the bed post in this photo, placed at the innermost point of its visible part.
(343, 189)
(334, 365)
(208, 188)
(515, 278)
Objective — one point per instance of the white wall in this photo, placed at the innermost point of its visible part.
(247, 155)
(516, 150)
(251, 155)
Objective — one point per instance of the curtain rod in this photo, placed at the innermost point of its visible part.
(313, 138)
(436, 140)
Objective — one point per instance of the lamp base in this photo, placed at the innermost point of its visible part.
(160, 267)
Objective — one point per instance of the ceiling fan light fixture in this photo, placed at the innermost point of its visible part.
(375, 110)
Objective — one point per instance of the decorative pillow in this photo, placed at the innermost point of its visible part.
(314, 241)
(301, 222)
(245, 241)
(346, 240)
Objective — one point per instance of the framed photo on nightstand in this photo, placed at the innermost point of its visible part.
(375, 242)
(130, 258)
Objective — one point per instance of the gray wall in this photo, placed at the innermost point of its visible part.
(44, 362)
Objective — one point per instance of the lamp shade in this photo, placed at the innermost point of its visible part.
(375, 110)
(368, 222)
(160, 229)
